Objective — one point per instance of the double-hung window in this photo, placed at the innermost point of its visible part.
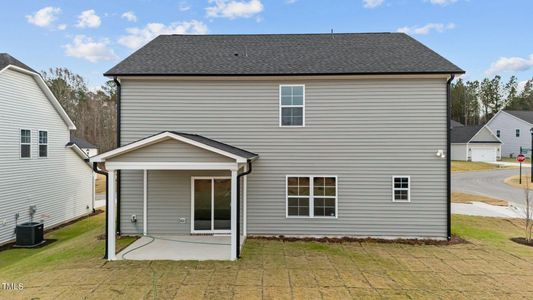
(517, 133)
(401, 189)
(292, 105)
(312, 196)
(43, 143)
(25, 143)
(498, 133)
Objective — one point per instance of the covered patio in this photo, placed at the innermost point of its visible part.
(213, 230)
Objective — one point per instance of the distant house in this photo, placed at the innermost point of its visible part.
(88, 148)
(38, 166)
(513, 129)
(475, 143)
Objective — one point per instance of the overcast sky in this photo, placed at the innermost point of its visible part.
(484, 37)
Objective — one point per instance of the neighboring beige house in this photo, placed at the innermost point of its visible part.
(475, 143)
(346, 133)
(38, 166)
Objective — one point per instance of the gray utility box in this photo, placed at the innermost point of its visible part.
(30, 234)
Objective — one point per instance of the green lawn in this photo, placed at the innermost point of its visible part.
(489, 266)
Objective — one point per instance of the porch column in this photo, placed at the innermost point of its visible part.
(244, 203)
(145, 203)
(111, 231)
(234, 232)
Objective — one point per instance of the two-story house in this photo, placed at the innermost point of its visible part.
(305, 135)
(39, 167)
(513, 128)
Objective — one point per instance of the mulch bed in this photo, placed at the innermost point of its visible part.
(454, 241)
(50, 229)
(522, 241)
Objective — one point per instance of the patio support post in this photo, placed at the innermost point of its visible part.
(234, 232)
(111, 231)
(244, 203)
(145, 203)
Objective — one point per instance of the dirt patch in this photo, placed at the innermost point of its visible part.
(514, 181)
(523, 241)
(469, 198)
(454, 240)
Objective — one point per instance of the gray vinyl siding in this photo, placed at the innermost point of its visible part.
(59, 185)
(459, 152)
(363, 131)
(168, 200)
(484, 135)
(171, 151)
(507, 124)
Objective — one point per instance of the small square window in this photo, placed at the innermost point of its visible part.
(401, 189)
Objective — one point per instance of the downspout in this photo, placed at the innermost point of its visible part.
(119, 96)
(448, 155)
(239, 206)
(95, 169)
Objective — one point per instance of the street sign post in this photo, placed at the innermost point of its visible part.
(520, 158)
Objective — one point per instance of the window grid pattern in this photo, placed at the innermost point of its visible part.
(25, 143)
(309, 196)
(43, 143)
(518, 133)
(292, 103)
(401, 189)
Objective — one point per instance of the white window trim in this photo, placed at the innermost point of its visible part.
(293, 106)
(312, 198)
(39, 143)
(21, 143)
(402, 189)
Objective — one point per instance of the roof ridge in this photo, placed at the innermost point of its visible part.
(281, 34)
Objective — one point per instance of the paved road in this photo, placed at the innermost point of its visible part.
(489, 183)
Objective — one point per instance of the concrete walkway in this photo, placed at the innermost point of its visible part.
(510, 164)
(486, 210)
(184, 247)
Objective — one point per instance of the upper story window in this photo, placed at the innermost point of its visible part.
(498, 133)
(401, 189)
(312, 196)
(518, 133)
(292, 105)
(43, 143)
(25, 143)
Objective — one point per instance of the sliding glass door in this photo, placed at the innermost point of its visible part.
(211, 205)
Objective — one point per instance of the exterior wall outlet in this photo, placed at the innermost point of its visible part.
(182, 220)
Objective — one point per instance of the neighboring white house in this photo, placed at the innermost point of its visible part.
(475, 143)
(88, 148)
(513, 129)
(38, 165)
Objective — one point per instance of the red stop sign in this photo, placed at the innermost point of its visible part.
(520, 158)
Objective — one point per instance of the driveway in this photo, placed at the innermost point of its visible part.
(489, 183)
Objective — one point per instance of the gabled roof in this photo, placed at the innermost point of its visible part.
(240, 155)
(6, 60)
(526, 115)
(284, 54)
(464, 134)
(9, 62)
(82, 143)
(456, 124)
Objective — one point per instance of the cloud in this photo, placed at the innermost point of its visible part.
(130, 16)
(62, 26)
(515, 64)
(439, 27)
(184, 6)
(232, 9)
(88, 19)
(139, 36)
(44, 17)
(290, 1)
(89, 49)
(372, 3)
(521, 86)
(442, 2)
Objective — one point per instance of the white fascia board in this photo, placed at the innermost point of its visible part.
(169, 166)
(154, 139)
(48, 93)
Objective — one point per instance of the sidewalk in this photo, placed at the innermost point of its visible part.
(510, 164)
(486, 210)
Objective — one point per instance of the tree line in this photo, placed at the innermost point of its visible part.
(93, 112)
(475, 102)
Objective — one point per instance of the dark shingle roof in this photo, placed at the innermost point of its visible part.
(464, 134)
(284, 54)
(456, 124)
(6, 59)
(526, 115)
(81, 143)
(216, 144)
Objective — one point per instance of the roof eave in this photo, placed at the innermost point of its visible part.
(455, 72)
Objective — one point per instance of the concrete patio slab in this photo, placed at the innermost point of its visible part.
(178, 248)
